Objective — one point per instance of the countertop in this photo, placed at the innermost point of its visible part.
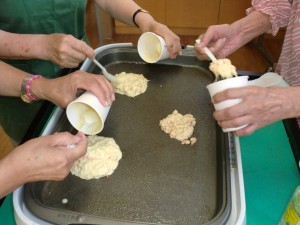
(270, 176)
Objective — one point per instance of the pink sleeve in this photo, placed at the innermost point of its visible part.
(278, 10)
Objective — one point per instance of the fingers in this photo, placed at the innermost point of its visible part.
(82, 48)
(67, 51)
(212, 35)
(75, 145)
(89, 52)
(238, 121)
(72, 59)
(171, 39)
(64, 139)
(105, 94)
(256, 110)
(199, 47)
(232, 121)
(173, 46)
(232, 93)
(80, 146)
(77, 53)
(72, 84)
(249, 129)
(214, 39)
(217, 47)
(98, 85)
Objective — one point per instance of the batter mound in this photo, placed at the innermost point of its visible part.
(223, 69)
(131, 84)
(101, 159)
(180, 127)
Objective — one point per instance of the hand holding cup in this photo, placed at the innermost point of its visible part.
(219, 86)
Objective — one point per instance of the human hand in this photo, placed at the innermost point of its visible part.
(65, 50)
(48, 157)
(222, 40)
(61, 91)
(260, 107)
(171, 39)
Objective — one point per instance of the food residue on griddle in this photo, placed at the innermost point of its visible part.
(179, 127)
(101, 159)
(131, 84)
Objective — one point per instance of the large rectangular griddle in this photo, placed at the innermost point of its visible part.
(158, 180)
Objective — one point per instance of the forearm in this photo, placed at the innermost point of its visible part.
(10, 179)
(251, 26)
(292, 102)
(124, 12)
(11, 80)
(21, 46)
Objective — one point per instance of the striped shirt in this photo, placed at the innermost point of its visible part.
(284, 13)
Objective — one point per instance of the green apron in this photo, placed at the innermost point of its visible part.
(36, 17)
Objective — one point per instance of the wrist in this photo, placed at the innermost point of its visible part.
(251, 26)
(136, 13)
(27, 93)
(38, 44)
(143, 20)
(295, 97)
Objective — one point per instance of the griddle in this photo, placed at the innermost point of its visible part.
(158, 180)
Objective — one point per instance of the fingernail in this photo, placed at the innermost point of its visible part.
(71, 145)
(113, 97)
(109, 100)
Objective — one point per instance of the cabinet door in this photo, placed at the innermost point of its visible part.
(191, 17)
(231, 11)
(156, 8)
(192, 13)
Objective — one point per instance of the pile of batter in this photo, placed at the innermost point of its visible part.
(101, 159)
(131, 84)
(223, 69)
(180, 127)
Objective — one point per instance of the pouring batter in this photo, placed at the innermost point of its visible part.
(131, 84)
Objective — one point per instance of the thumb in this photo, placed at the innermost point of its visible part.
(203, 40)
(64, 139)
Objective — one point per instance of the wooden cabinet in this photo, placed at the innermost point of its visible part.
(156, 8)
(232, 10)
(189, 17)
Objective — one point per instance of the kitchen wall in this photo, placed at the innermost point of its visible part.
(189, 17)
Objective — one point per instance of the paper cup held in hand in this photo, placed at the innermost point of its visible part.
(219, 86)
(87, 114)
(152, 47)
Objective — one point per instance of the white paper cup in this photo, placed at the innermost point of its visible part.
(152, 47)
(87, 114)
(219, 86)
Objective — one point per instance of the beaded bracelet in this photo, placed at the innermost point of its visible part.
(26, 95)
